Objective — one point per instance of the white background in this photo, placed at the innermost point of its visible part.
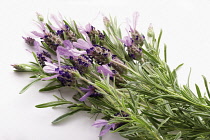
(186, 31)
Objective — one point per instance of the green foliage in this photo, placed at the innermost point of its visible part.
(157, 107)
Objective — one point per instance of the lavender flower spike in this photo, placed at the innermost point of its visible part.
(100, 123)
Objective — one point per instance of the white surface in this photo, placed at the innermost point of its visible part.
(186, 28)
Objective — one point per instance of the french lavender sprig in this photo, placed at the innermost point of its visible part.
(122, 78)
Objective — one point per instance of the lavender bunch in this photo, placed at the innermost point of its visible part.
(122, 78)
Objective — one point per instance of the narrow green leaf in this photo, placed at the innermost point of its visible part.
(159, 37)
(206, 85)
(163, 122)
(198, 91)
(45, 46)
(188, 79)
(51, 30)
(64, 116)
(53, 103)
(178, 136)
(165, 53)
(50, 88)
(27, 86)
(150, 56)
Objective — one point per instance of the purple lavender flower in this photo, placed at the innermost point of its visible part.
(90, 92)
(82, 63)
(43, 57)
(52, 69)
(53, 41)
(100, 54)
(105, 70)
(64, 74)
(63, 29)
(66, 77)
(92, 33)
(107, 127)
(28, 40)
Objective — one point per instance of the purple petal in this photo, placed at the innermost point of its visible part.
(83, 98)
(68, 44)
(60, 25)
(51, 77)
(37, 46)
(75, 52)
(88, 27)
(100, 123)
(104, 69)
(38, 34)
(126, 40)
(50, 68)
(106, 129)
(82, 44)
(135, 19)
(58, 58)
(84, 89)
(41, 26)
(69, 52)
(63, 51)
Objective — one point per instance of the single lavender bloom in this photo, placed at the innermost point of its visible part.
(82, 63)
(43, 57)
(135, 52)
(90, 92)
(53, 41)
(92, 33)
(105, 70)
(28, 40)
(107, 127)
(137, 38)
(70, 35)
(100, 54)
(64, 74)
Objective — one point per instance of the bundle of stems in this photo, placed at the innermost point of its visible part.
(123, 79)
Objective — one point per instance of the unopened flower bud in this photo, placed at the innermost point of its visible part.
(106, 21)
(150, 31)
(40, 17)
(21, 68)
